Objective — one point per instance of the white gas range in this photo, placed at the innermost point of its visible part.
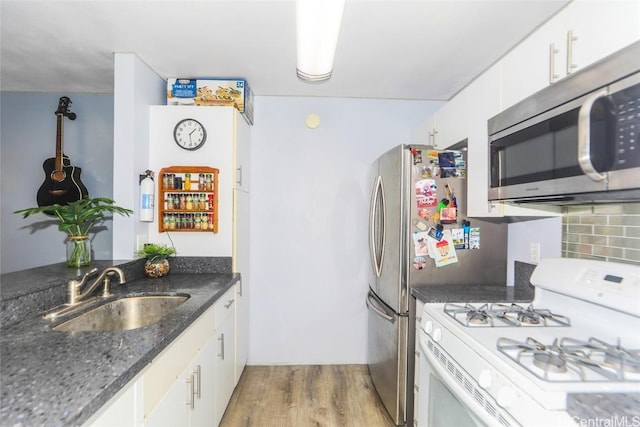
(515, 364)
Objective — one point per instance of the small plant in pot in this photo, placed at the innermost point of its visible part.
(157, 264)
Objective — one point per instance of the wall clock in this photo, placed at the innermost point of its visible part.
(189, 134)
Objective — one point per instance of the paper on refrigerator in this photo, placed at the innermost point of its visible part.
(443, 251)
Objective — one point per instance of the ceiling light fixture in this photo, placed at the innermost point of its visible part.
(317, 29)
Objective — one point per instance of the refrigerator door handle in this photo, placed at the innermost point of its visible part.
(377, 226)
(372, 303)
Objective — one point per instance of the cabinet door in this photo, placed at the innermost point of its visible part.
(602, 27)
(241, 327)
(529, 66)
(423, 133)
(451, 122)
(122, 410)
(224, 366)
(173, 410)
(484, 103)
(242, 153)
(203, 371)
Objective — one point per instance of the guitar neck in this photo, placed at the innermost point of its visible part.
(60, 120)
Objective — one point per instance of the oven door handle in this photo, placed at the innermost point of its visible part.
(584, 137)
(456, 388)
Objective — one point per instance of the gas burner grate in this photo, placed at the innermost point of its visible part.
(568, 359)
(503, 315)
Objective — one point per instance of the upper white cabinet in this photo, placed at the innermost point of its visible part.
(444, 128)
(451, 122)
(579, 35)
(529, 66)
(484, 102)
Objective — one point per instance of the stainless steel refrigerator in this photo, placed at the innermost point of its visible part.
(410, 186)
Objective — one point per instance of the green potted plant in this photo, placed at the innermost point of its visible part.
(157, 264)
(76, 220)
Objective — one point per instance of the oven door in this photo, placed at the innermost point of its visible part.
(441, 400)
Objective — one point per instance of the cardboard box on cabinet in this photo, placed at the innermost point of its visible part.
(212, 92)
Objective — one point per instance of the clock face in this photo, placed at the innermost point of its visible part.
(189, 134)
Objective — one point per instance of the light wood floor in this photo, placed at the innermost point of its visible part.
(301, 396)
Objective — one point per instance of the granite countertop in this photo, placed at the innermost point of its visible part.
(522, 291)
(60, 379)
(461, 293)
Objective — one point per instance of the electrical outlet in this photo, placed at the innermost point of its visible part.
(534, 253)
(141, 239)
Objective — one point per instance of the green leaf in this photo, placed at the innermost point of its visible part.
(77, 218)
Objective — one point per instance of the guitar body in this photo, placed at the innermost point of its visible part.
(70, 189)
(62, 184)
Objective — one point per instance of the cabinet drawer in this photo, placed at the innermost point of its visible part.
(225, 305)
(169, 365)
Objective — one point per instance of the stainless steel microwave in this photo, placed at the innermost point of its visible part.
(576, 141)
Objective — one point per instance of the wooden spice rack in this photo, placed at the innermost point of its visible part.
(188, 206)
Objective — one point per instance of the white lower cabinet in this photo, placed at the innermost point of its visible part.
(122, 410)
(198, 395)
(189, 402)
(225, 356)
(189, 384)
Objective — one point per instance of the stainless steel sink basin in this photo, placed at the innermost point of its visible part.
(125, 313)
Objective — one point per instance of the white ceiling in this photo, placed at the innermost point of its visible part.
(420, 49)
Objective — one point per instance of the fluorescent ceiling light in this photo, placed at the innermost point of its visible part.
(317, 29)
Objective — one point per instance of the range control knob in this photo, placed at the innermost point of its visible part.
(485, 380)
(428, 327)
(437, 334)
(506, 397)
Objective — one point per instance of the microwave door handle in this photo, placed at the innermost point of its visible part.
(584, 137)
(376, 227)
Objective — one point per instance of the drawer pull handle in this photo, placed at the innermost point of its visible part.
(221, 339)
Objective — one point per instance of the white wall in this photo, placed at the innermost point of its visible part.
(136, 86)
(27, 138)
(309, 218)
(217, 152)
(547, 232)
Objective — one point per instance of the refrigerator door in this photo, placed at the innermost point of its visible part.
(391, 184)
(387, 352)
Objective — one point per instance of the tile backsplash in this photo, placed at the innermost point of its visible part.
(608, 232)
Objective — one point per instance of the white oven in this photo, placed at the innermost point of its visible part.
(502, 364)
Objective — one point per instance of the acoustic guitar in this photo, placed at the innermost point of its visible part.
(62, 184)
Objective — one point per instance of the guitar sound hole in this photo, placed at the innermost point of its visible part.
(58, 176)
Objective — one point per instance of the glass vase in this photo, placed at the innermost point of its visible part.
(78, 251)
(158, 268)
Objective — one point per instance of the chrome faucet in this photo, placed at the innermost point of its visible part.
(76, 297)
(74, 293)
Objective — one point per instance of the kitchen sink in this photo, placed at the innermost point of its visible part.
(125, 313)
